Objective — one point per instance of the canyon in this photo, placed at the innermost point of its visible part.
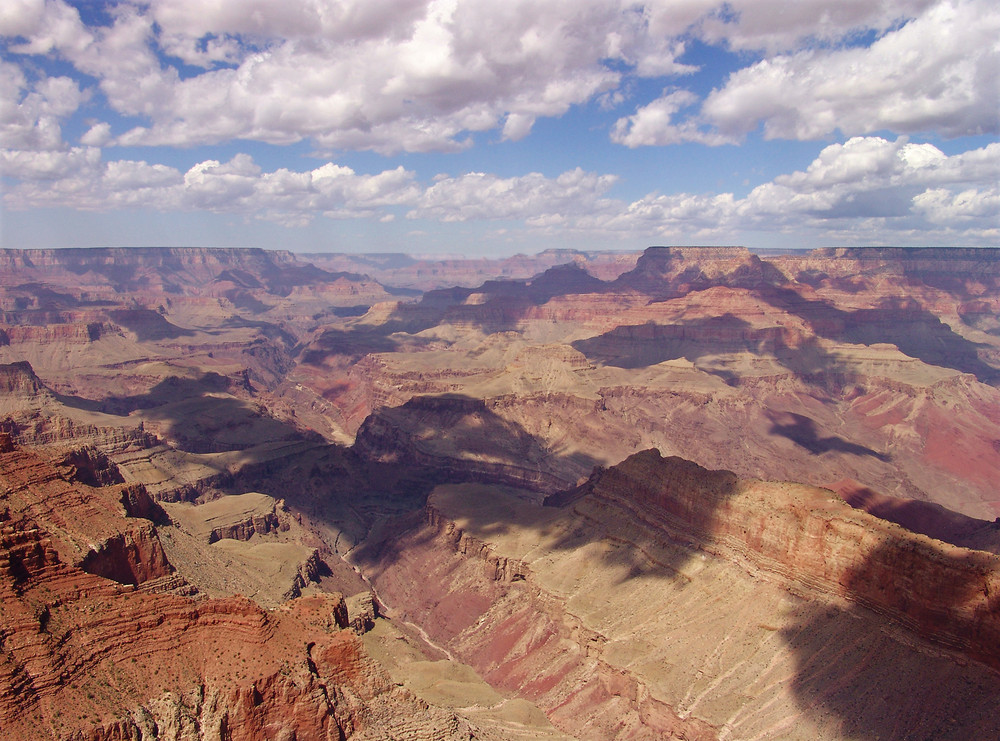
(691, 493)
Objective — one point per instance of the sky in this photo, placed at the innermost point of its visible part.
(495, 127)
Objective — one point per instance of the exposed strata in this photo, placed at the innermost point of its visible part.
(927, 518)
(196, 375)
(757, 609)
(830, 364)
(787, 371)
(816, 542)
(485, 610)
(84, 656)
(238, 517)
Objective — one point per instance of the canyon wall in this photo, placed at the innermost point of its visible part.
(816, 542)
(101, 640)
(663, 600)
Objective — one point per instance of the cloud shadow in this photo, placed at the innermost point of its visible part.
(802, 431)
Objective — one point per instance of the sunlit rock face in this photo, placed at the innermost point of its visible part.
(690, 493)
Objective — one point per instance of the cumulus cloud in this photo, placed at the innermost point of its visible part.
(779, 25)
(657, 124)
(532, 198)
(933, 68)
(868, 185)
(937, 72)
(80, 179)
(31, 115)
(872, 184)
(48, 165)
(942, 206)
(387, 75)
(422, 75)
(872, 177)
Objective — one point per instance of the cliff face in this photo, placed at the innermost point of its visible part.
(19, 379)
(100, 641)
(818, 543)
(664, 600)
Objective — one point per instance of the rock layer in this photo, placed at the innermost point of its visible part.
(85, 656)
(818, 543)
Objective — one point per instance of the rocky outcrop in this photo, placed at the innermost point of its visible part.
(39, 429)
(234, 517)
(264, 523)
(817, 543)
(133, 557)
(138, 503)
(19, 379)
(85, 656)
(90, 466)
(75, 333)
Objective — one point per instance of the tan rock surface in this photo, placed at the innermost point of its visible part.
(741, 608)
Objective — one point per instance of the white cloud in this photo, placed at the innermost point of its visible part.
(79, 179)
(48, 165)
(903, 191)
(517, 126)
(46, 24)
(935, 73)
(97, 135)
(532, 197)
(945, 207)
(422, 75)
(20, 17)
(30, 115)
(871, 176)
(780, 25)
(654, 124)
(387, 75)
(343, 20)
(867, 188)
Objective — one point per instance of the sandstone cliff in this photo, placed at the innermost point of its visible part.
(819, 544)
(87, 655)
(662, 600)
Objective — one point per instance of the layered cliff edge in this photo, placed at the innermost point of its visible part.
(101, 640)
(664, 600)
(816, 543)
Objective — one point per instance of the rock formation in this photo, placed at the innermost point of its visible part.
(671, 600)
(200, 450)
(98, 650)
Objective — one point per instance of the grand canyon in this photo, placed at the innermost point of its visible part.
(691, 493)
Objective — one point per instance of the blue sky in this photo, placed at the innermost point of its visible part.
(484, 128)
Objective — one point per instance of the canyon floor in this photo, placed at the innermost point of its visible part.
(691, 493)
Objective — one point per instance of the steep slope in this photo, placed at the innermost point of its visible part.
(88, 656)
(664, 600)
